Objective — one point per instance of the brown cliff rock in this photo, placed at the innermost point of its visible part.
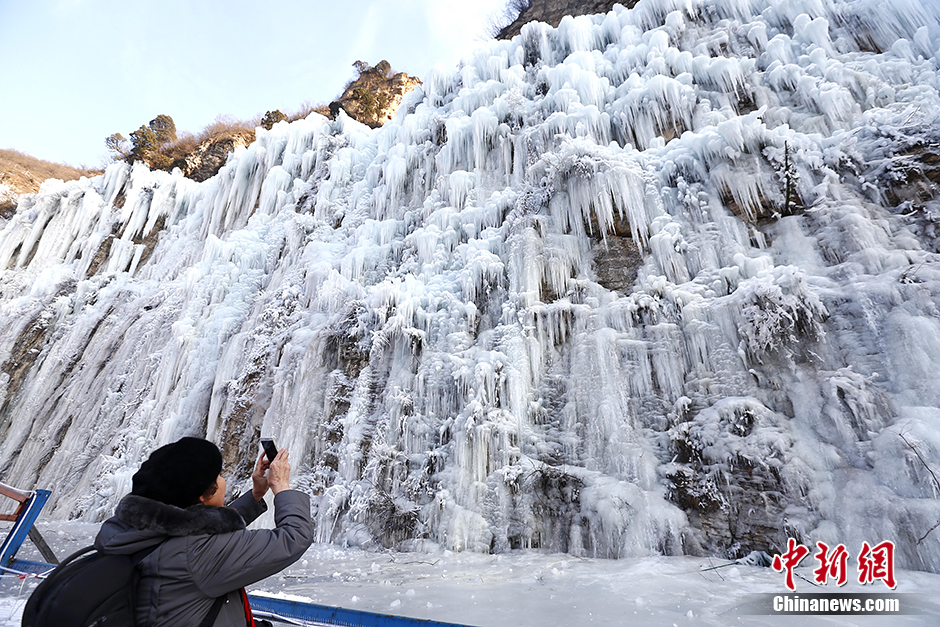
(374, 96)
(551, 12)
(209, 156)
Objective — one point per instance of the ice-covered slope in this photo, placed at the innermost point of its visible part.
(661, 280)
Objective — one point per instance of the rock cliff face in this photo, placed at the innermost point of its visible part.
(208, 158)
(7, 201)
(551, 12)
(374, 96)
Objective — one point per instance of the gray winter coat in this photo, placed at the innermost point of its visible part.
(204, 552)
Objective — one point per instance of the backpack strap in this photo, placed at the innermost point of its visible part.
(209, 620)
(136, 559)
(249, 617)
(74, 556)
(139, 556)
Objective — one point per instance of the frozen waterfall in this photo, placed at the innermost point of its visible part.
(665, 280)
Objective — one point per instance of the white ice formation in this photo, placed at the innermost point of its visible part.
(661, 280)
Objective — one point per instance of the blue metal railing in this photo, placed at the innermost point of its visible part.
(312, 614)
(20, 532)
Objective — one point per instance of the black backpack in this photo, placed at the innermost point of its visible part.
(96, 590)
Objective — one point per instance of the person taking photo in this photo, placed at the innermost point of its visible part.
(195, 554)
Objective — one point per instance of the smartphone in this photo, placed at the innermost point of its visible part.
(269, 449)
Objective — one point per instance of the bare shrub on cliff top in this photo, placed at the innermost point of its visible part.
(184, 145)
(223, 127)
(226, 126)
(501, 18)
(308, 107)
(26, 171)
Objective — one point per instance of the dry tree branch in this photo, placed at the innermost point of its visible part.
(924, 537)
(932, 474)
(920, 457)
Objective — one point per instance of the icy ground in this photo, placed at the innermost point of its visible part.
(526, 589)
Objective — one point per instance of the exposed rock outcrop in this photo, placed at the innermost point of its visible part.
(374, 96)
(209, 156)
(551, 12)
(7, 201)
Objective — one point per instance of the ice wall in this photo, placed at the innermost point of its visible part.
(660, 280)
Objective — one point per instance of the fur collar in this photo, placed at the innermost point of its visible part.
(143, 513)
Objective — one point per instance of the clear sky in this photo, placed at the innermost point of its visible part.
(74, 71)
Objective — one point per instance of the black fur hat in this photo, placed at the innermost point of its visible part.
(179, 473)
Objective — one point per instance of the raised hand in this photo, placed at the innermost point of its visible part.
(259, 482)
(279, 472)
